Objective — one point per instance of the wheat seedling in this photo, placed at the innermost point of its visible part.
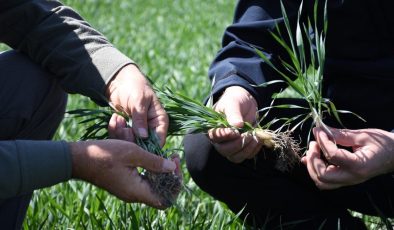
(189, 115)
(306, 70)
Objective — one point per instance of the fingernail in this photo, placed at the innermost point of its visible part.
(169, 165)
(142, 132)
(314, 131)
(235, 131)
(238, 123)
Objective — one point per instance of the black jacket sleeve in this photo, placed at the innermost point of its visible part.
(237, 63)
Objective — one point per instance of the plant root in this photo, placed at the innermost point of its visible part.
(283, 144)
(166, 185)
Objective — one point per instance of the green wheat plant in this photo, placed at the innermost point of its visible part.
(187, 115)
(192, 116)
(304, 72)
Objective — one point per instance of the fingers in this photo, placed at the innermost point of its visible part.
(344, 137)
(316, 166)
(138, 157)
(230, 148)
(117, 129)
(239, 149)
(147, 195)
(147, 113)
(332, 153)
(139, 115)
(223, 134)
(324, 175)
(136, 189)
(130, 92)
(158, 120)
(178, 171)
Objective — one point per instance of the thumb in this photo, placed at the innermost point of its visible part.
(345, 137)
(234, 115)
(140, 123)
(151, 162)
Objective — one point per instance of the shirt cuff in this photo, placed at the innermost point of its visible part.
(107, 62)
(234, 80)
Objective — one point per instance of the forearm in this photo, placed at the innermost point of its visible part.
(29, 165)
(59, 39)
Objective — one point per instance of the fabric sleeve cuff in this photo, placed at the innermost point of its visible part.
(107, 62)
(234, 80)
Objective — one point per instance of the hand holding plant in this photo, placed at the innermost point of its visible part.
(371, 155)
(112, 165)
(131, 92)
(239, 107)
(164, 185)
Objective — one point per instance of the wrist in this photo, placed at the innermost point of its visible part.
(80, 163)
(122, 76)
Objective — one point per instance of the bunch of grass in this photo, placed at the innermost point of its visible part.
(189, 115)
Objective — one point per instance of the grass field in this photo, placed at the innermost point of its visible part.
(174, 43)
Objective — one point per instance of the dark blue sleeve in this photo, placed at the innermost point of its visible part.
(237, 63)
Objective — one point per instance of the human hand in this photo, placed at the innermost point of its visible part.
(372, 155)
(131, 91)
(112, 165)
(117, 129)
(239, 107)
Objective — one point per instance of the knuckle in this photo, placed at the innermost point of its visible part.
(212, 134)
(138, 119)
(222, 132)
(330, 157)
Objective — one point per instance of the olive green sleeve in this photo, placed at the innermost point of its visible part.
(60, 40)
(29, 165)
